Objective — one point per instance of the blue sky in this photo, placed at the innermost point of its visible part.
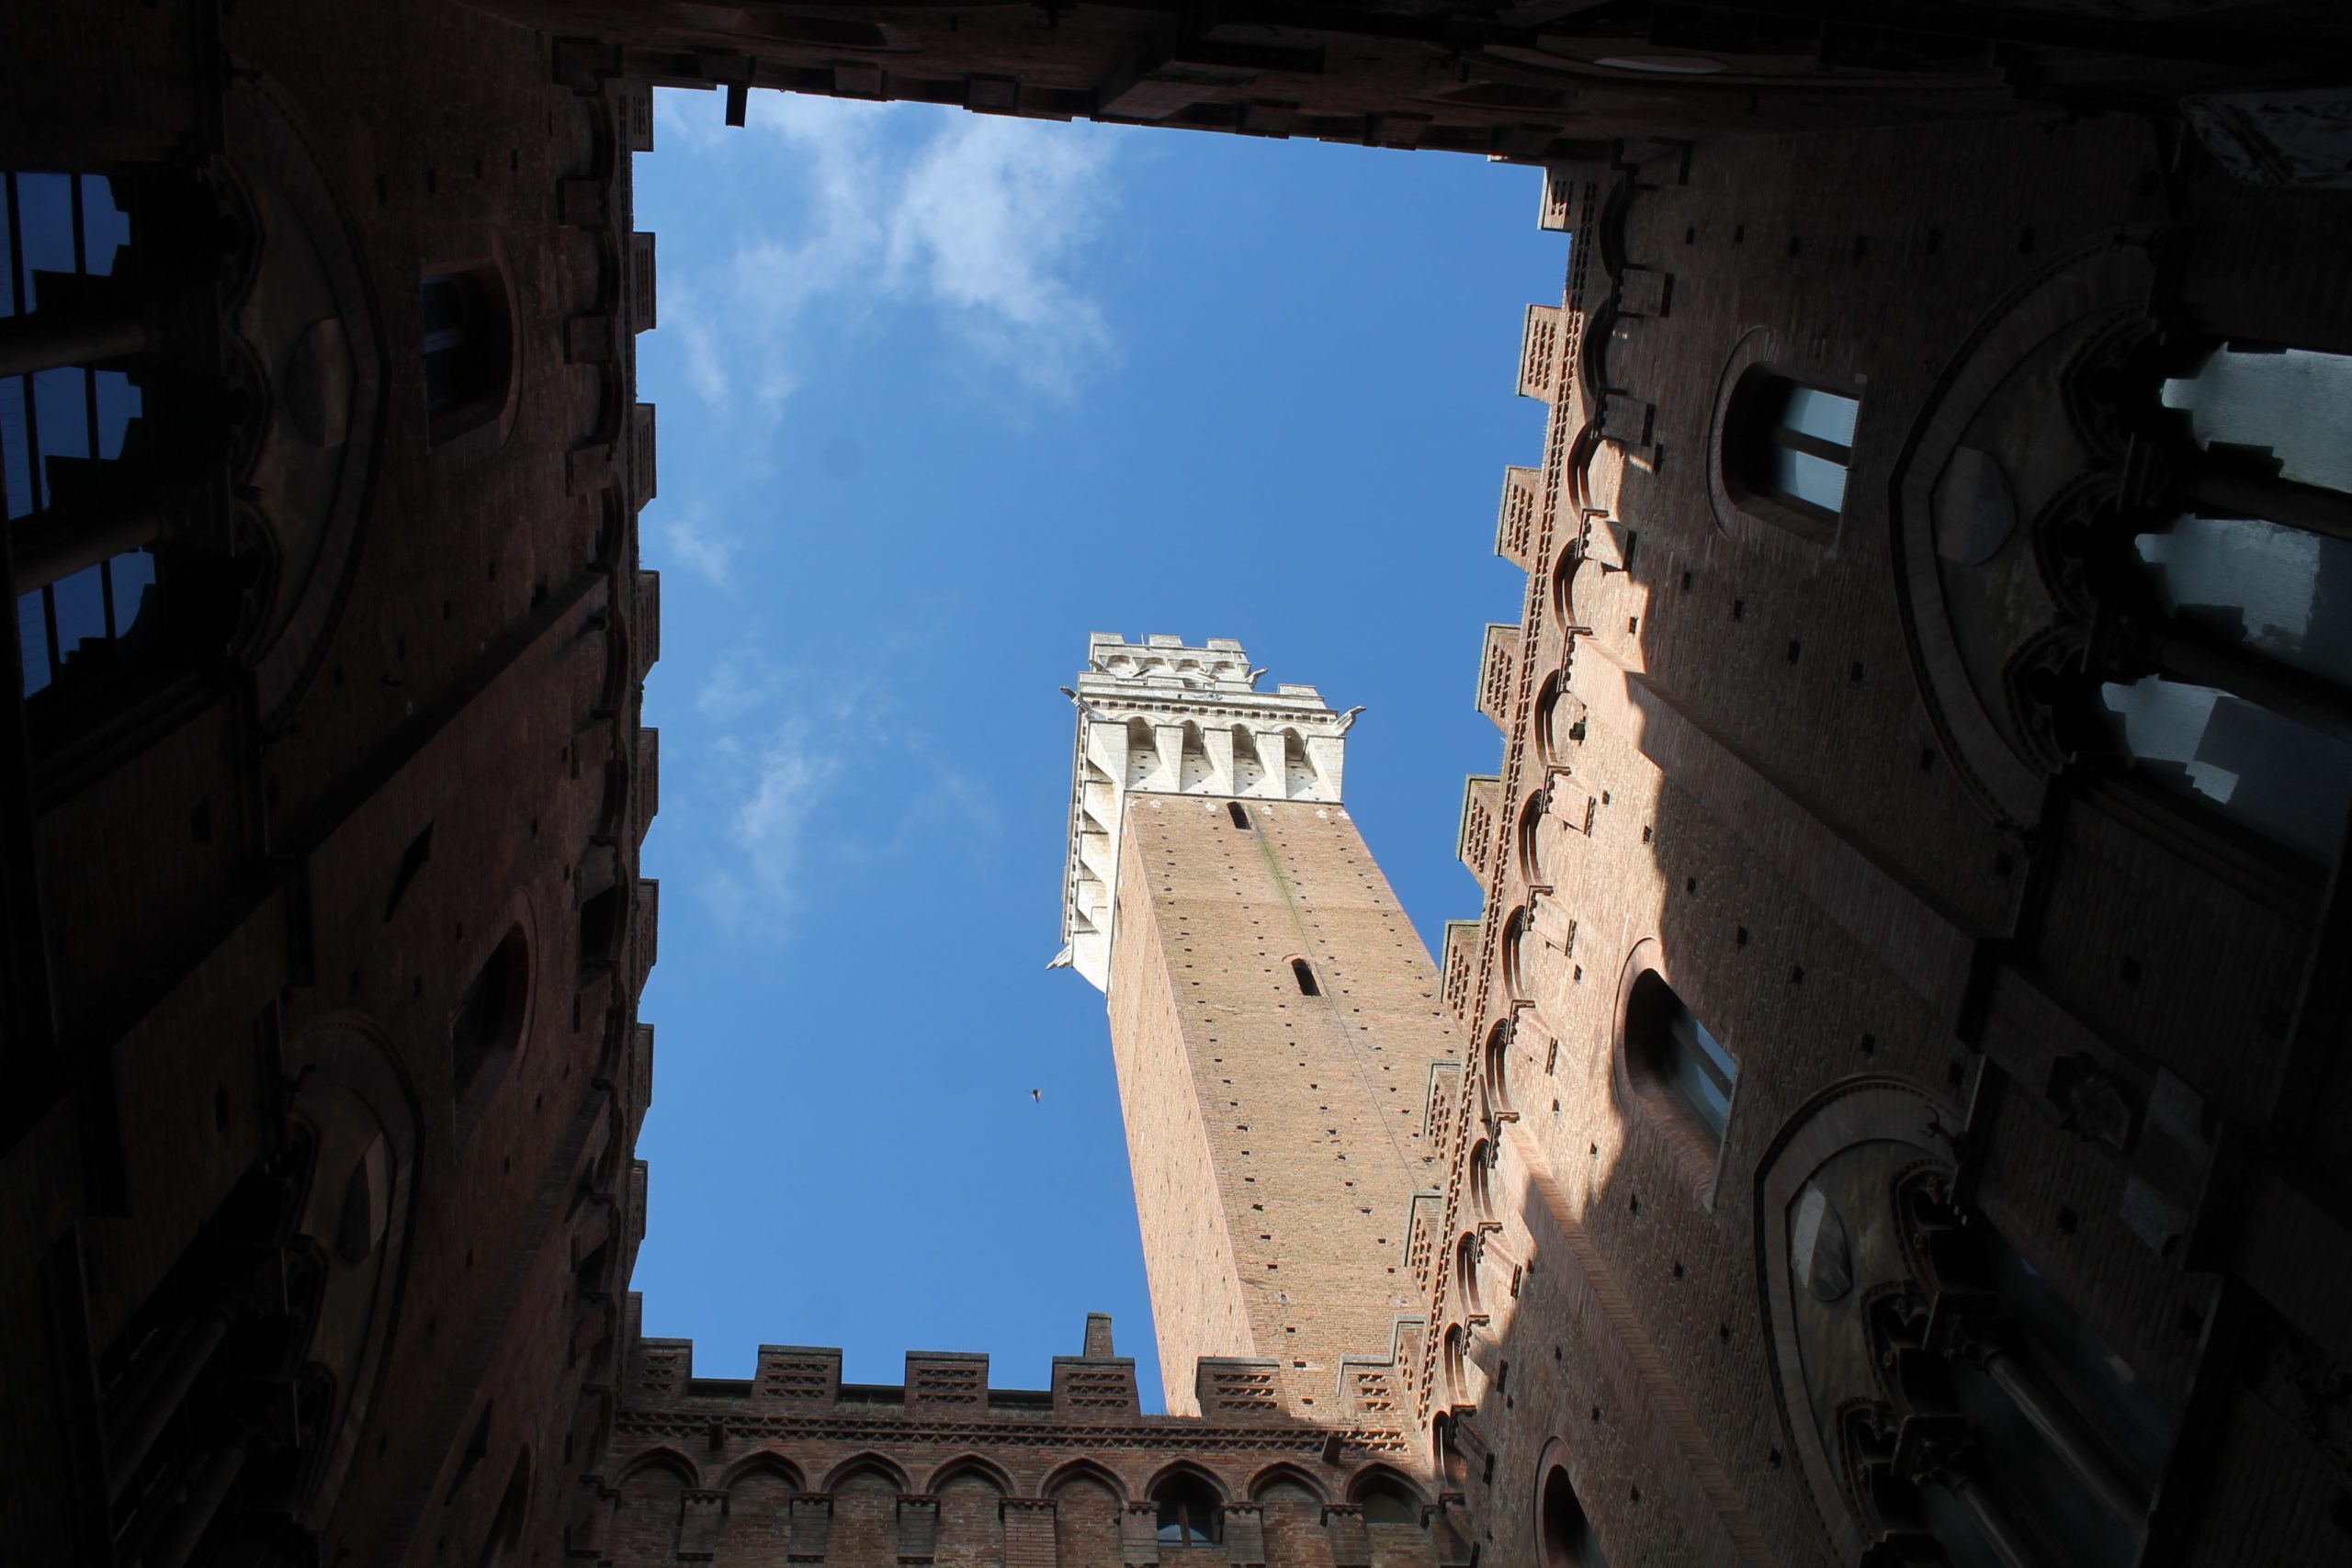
(940, 394)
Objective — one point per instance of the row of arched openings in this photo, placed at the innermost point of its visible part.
(862, 1497)
(1252, 760)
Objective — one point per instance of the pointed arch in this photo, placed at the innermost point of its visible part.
(1191, 1505)
(676, 1464)
(970, 1464)
(1284, 1473)
(1193, 769)
(1088, 1502)
(1299, 773)
(1085, 1470)
(1184, 1468)
(1248, 766)
(761, 1464)
(1387, 1496)
(1143, 753)
(1497, 1081)
(1531, 812)
(857, 1464)
(758, 1527)
(1372, 1477)
(863, 1527)
(1518, 932)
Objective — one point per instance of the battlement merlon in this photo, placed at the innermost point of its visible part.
(1161, 717)
(1095, 1384)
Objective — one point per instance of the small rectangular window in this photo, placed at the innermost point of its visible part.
(1303, 973)
(465, 325)
(1702, 1070)
(1240, 817)
(1791, 443)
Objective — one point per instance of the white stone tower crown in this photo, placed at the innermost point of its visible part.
(1157, 717)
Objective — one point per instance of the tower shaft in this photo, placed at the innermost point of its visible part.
(1272, 1019)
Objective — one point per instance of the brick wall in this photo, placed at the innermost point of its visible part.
(1729, 738)
(1304, 1112)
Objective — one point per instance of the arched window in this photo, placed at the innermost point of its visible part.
(1669, 1052)
(71, 424)
(1190, 1512)
(1498, 1064)
(2231, 681)
(601, 926)
(1530, 839)
(1452, 1467)
(1239, 814)
(1568, 1541)
(2290, 782)
(1248, 771)
(1303, 973)
(1143, 752)
(489, 1020)
(1907, 1312)
(1457, 1392)
(1299, 776)
(1466, 1272)
(1194, 770)
(1387, 1502)
(1482, 1182)
(2282, 406)
(468, 331)
(1786, 448)
(1519, 937)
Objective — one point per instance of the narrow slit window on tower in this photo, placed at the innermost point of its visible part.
(1240, 817)
(1304, 972)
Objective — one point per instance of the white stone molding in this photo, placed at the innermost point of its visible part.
(1159, 717)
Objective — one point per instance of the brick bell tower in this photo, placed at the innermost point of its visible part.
(1273, 1016)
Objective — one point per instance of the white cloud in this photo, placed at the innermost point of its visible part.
(981, 222)
(795, 743)
(770, 788)
(993, 212)
(804, 780)
(691, 540)
(789, 779)
(741, 682)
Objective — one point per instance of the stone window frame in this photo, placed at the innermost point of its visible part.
(1757, 517)
(1376, 1477)
(489, 282)
(1517, 928)
(1202, 1484)
(1531, 812)
(1877, 1110)
(1697, 1156)
(1496, 1076)
(1554, 1461)
(516, 934)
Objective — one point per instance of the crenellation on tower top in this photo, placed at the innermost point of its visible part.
(1161, 716)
